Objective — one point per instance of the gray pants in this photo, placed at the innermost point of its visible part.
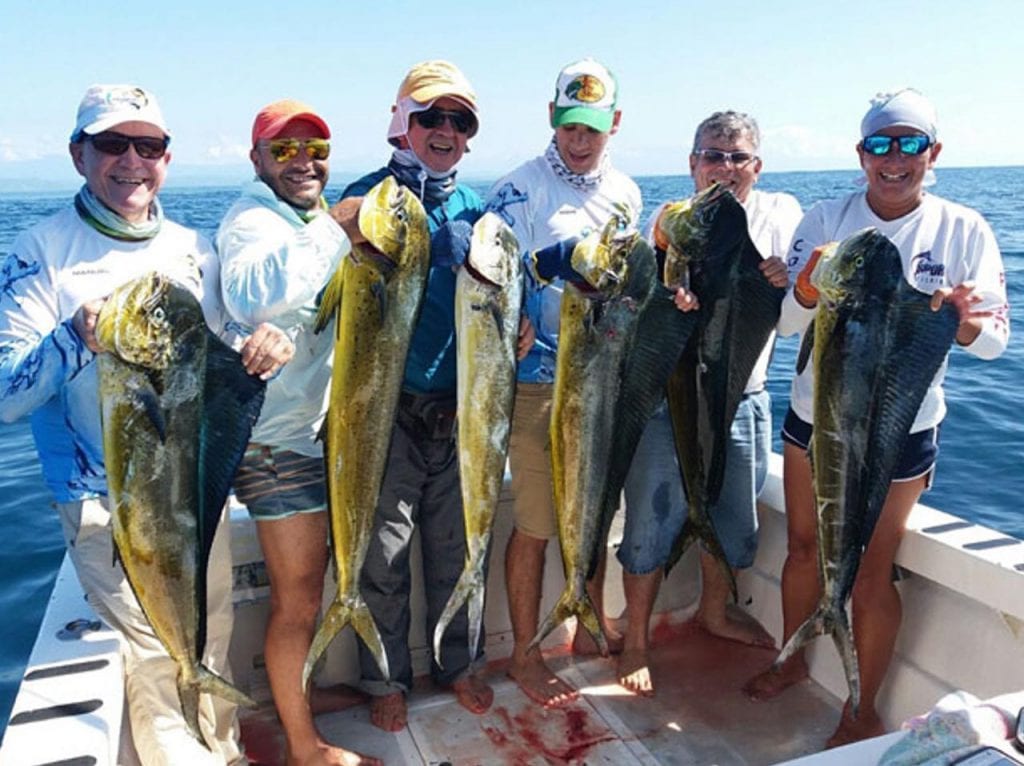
(420, 489)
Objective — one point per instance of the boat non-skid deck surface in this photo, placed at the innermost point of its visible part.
(698, 717)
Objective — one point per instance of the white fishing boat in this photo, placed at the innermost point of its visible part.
(963, 629)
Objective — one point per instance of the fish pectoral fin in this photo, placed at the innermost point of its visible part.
(379, 290)
(495, 311)
(806, 348)
(147, 400)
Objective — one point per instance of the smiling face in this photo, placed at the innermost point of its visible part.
(580, 146)
(896, 180)
(739, 179)
(300, 181)
(126, 183)
(439, 148)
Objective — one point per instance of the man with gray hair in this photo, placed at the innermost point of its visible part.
(725, 151)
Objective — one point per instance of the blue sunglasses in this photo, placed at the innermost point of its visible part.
(882, 145)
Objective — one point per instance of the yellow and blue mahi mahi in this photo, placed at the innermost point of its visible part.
(875, 345)
(619, 337)
(177, 408)
(488, 299)
(375, 297)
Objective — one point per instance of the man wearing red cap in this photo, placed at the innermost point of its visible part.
(279, 244)
(434, 116)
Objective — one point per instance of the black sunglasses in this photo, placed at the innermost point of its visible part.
(434, 117)
(116, 144)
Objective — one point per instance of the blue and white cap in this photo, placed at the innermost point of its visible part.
(906, 107)
(104, 106)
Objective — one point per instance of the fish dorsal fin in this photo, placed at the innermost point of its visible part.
(232, 399)
(330, 298)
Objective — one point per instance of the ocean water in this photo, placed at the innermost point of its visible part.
(979, 473)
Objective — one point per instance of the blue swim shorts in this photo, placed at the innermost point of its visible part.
(275, 483)
(917, 459)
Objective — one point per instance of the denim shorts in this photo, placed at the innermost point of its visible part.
(655, 503)
(916, 460)
(276, 483)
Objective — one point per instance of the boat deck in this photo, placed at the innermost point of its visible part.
(698, 716)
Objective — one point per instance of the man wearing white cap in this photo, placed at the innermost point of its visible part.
(550, 202)
(58, 275)
(433, 118)
(279, 245)
(948, 251)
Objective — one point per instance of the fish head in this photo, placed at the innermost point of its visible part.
(866, 263)
(686, 225)
(394, 223)
(142, 319)
(602, 257)
(494, 251)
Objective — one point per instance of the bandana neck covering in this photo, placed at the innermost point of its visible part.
(584, 182)
(428, 184)
(109, 223)
(258, 190)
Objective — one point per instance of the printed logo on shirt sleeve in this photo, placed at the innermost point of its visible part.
(12, 270)
(507, 195)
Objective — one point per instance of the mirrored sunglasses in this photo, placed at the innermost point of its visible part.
(434, 117)
(116, 144)
(882, 145)
(286, 149)
(718, 157)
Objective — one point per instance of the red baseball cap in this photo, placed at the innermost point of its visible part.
(272, 118)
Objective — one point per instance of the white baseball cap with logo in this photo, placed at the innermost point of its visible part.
(104, 106)
(585, 93)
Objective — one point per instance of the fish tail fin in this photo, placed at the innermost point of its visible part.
(338, 616)
(366, 629)
(815, 625)
(188, 695)
(574, 602)
(212, 683)
(468, 588)
(842, 636)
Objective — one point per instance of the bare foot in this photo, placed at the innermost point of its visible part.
(473, 694)
(389, 712)
(635, 672)
(735, 627)
(331, 699)
(330, 755)
(583, 643)
(539, 683)
(867, 724)
(771, 682)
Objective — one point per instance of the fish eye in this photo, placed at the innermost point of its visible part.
(158, 314)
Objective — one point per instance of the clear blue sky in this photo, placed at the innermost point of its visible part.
(805, 69)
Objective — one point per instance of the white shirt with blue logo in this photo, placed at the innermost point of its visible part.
(942, 244)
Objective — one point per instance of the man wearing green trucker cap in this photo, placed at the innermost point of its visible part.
(551, 202)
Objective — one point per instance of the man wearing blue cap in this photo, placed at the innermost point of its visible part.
(948, 251)
(59, 273)
(550, 202)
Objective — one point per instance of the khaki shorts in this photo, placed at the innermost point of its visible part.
(529, 456)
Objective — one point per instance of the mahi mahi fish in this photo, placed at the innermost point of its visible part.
(488, 298)
(875, 345)
(375, 295)
(177, 409)
(619, 337)
(711, 253)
